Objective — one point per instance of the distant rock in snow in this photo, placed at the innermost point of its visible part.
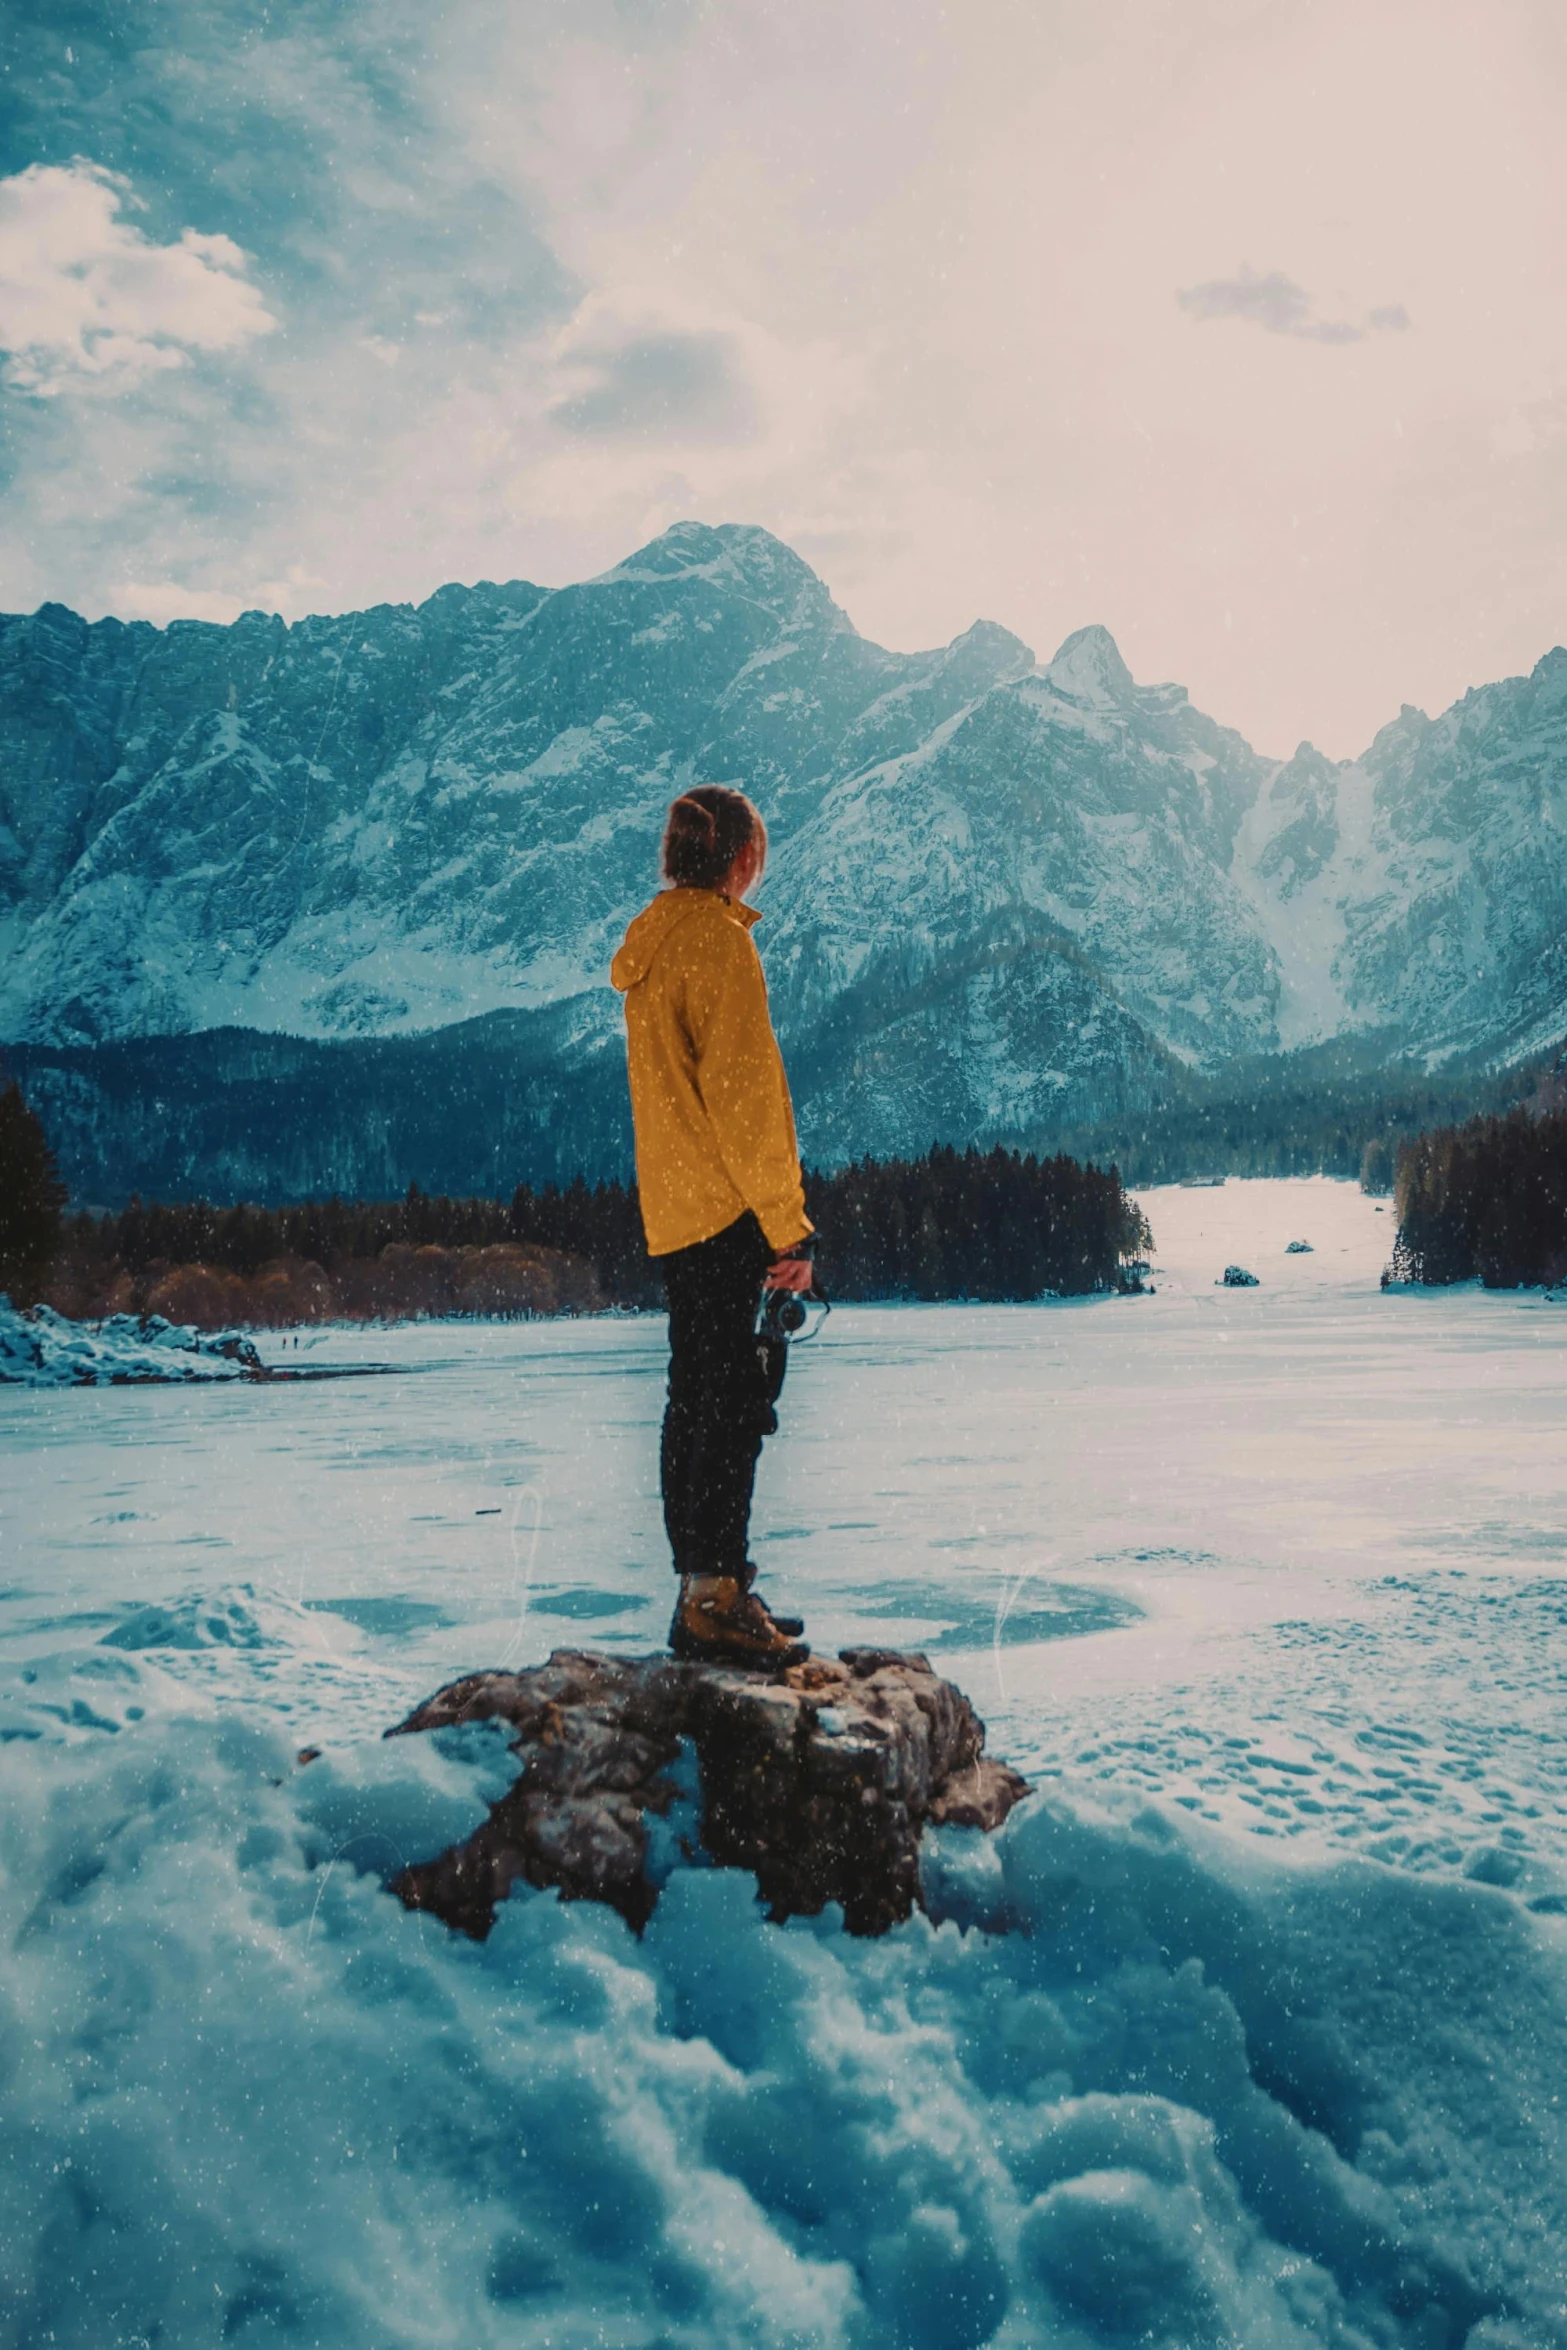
(1299, 1248)
(40, 1348)
(1237, 1277)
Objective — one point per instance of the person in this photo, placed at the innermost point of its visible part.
(723, 1207)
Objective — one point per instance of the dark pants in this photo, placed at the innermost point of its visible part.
(720, 1398)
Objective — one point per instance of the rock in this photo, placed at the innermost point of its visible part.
(1237, 1277)
(820, 1782)
(1299, 1248)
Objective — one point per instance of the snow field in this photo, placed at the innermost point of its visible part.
(1180, 2092)
(1248, 2029)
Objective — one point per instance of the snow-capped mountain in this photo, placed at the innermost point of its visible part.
(1020, 919)
(1004, 895)
(1422, 889)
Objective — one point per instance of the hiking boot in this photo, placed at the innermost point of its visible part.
(717, 1621)
(790, 1626)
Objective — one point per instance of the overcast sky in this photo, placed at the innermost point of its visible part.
(1239, 327)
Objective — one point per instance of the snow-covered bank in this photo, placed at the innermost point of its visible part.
(1265, 1587)
(1189, 2094)
(40, 1348)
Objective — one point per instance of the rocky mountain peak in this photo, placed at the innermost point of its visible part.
(1306, 761)
(1395, 742)
(1089, 668)
(735, 556)
(1549, 677)
(989, 652)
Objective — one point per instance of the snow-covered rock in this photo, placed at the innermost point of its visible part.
(819, 1782)
(1237, 1277)
(40, 1348)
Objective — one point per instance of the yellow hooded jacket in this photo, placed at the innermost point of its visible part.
(709, 1098)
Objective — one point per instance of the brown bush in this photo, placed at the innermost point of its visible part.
(288, 1291)
(202, 1294)
(87, 1291)
(73, 1286)
(403, 1283)
(507, 1279)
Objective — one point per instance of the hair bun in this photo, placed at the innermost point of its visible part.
(687, 811)
(706, 830)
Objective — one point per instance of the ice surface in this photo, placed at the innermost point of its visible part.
(1250, 2028)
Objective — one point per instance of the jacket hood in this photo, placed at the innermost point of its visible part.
(657, 922)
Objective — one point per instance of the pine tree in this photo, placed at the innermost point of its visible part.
(32, 1196)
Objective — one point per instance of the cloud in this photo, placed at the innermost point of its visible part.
(673, 385)
(1269, 299)
(293, 167)
(1266, 299)
(549, 277)
(86, 296)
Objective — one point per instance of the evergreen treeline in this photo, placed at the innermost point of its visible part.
(1315, 1112)
(599, 1223)
(952, 1224)
(329, 1232)
(1485, 1201)
(602, 1222)
(31, 1193)
(989, 1225)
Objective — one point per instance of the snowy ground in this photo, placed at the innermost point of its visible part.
(1267, 1587)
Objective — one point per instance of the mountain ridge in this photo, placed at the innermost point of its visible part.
(1004, 894)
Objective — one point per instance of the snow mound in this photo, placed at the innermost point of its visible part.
(224, 1621)
(40, 1348)
(1130, 2082)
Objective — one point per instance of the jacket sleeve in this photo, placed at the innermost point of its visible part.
(740, 1075)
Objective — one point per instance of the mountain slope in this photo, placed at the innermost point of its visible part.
(399, 818)
(1422, 888)
(1004, 897)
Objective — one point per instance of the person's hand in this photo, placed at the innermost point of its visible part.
(789, 1273)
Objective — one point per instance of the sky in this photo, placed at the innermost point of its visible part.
(1238, 327)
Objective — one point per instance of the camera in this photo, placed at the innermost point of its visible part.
(782, 1314)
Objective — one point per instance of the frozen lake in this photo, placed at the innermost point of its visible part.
(1291, 1561)
(1296, 1555)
